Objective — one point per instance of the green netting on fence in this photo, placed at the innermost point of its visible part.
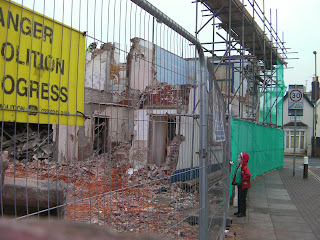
(264, 145)
(271, 103)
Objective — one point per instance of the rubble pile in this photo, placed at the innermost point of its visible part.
(173, 151)
(120, 152)
(117, 195)
(29, 142)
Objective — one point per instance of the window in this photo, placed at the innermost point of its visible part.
(298, 118)
(300, 136)
(301, 140)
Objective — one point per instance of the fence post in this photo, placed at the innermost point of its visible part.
(203, 195)
(203, 228)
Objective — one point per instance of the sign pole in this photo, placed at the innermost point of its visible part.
(294, 143)
(295, 108)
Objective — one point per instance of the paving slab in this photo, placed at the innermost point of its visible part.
(292, 227)
(279, 201)
(289, 219)
(278, 192)
(263, 210)
(259, 225)
(273, 196)
(285, 235)
(275, 186)
(254, 234)
(284, 212)
(282, 206)
(258, 205)
(259, 217)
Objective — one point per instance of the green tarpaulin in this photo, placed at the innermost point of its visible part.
(265, 146)
(271, 101)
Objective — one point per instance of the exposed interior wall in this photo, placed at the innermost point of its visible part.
(159, 140)
(67, 142)
(190, 131)
(95, 99)
(104, 71)
(171, 68)
(97, 70)
(163, 128)
(140, 64)
(120, 123)
(85, 146)
(139, 150)
(150, 136)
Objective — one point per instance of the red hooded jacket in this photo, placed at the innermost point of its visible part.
(245, 173)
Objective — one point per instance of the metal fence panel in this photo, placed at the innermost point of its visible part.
(110, 116)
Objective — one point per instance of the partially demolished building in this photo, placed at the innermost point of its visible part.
(137, 102)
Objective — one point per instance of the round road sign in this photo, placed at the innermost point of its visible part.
(295, 95)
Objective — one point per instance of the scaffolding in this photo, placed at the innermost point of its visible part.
(248, 57)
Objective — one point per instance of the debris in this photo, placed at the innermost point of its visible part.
(130, 171)
(162, 189)
(30, 141)
(192, 219)
(173, 151)
(4, 167)
(181, 234)
(193, 185)
(44, 230)
(183, 206)
(116, 195)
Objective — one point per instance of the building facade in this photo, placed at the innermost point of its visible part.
(304, 128)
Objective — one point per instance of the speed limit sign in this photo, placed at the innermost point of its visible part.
(295, 97)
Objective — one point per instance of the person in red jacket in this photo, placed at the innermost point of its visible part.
(242, 180)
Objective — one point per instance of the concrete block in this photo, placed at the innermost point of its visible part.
(41, 194)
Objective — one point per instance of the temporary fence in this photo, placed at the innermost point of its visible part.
(265, 146)
(110, 115)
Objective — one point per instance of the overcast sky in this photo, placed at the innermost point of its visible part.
(298, 22)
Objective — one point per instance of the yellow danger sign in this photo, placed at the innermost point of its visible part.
(42, 66)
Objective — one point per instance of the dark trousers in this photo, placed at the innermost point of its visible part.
(242, 199)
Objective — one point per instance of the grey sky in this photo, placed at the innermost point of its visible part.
(297, 21)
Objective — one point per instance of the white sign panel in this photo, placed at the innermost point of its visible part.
(295, 97)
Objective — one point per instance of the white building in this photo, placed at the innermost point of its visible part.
(304, 130)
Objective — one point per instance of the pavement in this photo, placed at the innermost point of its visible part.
(281, 206)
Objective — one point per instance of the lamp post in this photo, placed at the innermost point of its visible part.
(315, 104)
(315, 64)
